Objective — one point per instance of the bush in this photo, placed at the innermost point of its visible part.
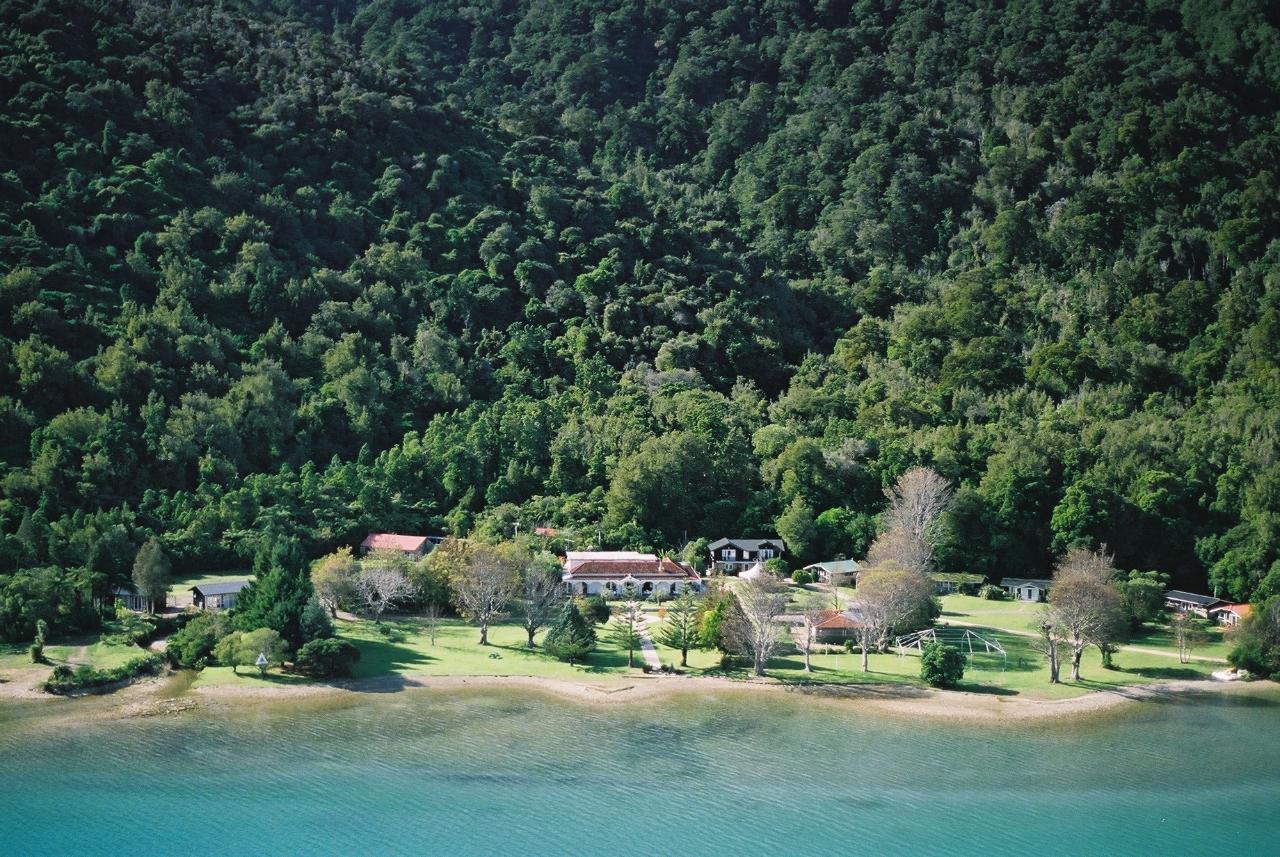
(194, 643)
(242, 648)
(315, 623)
(129, 628)
(941, 666)
(777, 567)
(594, 609)
(991, 593)
(37, 645)
(65, 681)
(802, 577)
(326, 657)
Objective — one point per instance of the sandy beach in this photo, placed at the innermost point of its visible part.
(170, 695)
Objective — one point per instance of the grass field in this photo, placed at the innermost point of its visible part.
(76, 652)
(1022, 671)
(1022, 616)
(408, 651)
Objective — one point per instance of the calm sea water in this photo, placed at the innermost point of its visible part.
(484, 773)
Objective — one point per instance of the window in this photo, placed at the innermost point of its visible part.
(726, 553)
(766, 553)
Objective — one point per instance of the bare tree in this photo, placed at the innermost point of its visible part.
(754, 627)
(431, 619)
(1187, 634)
(1084, 603)
(380, 585)
(539, 591)
(625, 630)
(483, 583)
(836, 579)
(813, 611)
(1049, 644)
(889, 600)
(916, 501)
(682, 629)
(897, 547)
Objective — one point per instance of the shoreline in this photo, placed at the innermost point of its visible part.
(172, 695)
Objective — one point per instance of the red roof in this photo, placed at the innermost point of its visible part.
(1242, 611)
(393, 542)
(835, 620)
(549, 532)
(617, 569)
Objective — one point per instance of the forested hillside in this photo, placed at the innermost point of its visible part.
(642, 271)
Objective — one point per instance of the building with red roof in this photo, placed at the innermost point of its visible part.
(1231, 615)
(836, 626)
(413, 546)
(592, 572)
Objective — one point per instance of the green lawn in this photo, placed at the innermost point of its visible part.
(1023, 671)
(1021, 616)
(1007, 615)
(408, 651)
(89, 650)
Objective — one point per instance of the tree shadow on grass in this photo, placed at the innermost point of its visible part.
(985, 689)
(380, 657)
(610, 661)
(1164, 673)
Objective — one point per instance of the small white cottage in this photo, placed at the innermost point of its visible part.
(1026, 589)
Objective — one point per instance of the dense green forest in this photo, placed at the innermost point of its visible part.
(642, 271)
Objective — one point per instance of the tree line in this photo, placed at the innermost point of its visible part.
(639, 272)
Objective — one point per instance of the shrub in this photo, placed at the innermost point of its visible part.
(802, 577)
(594, 609)
(194, 643)
(242, 648)
(65, 681)
(315, 623)
(777, 567)
(37, 645)
(326, 657)
(129, 628)
(991, 592)
(941, 666)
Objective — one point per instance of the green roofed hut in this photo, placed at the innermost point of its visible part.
(845, 570)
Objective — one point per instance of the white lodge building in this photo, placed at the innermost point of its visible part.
(591, 572)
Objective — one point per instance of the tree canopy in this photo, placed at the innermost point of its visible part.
(640, 272)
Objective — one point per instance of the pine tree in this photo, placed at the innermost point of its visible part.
(681, 630)
(571, 638)
(278, 595)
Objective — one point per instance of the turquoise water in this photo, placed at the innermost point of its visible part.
(483, 773)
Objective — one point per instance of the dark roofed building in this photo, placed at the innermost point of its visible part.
(217, 596)
(1190, 602)
(131, 598)
(731, 556)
